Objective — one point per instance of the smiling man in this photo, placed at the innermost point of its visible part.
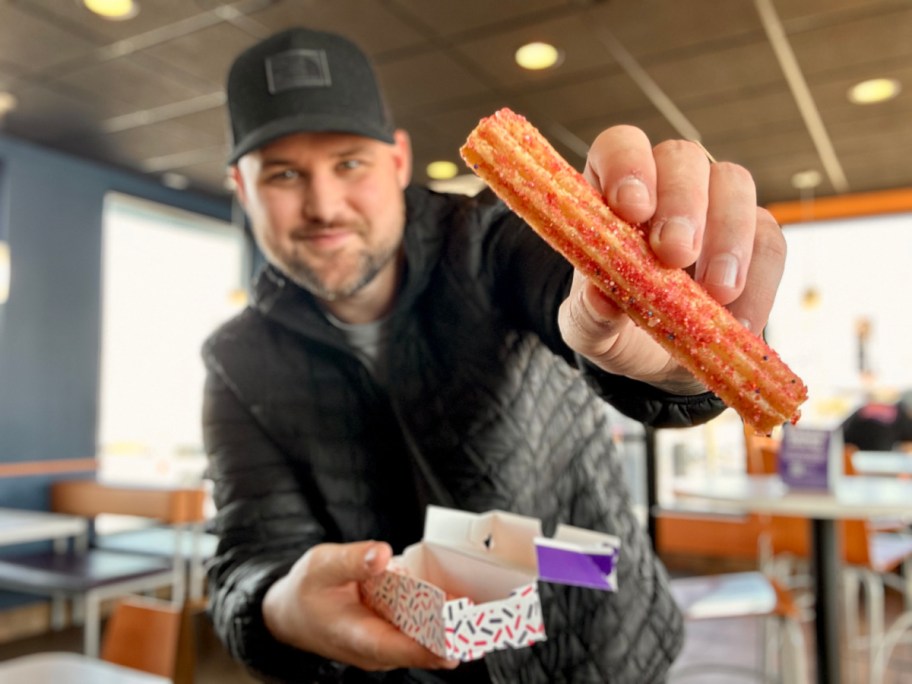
(405, 347)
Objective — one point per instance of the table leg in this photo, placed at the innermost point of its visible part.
(826, 576)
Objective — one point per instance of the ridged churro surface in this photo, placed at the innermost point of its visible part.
(518, 163)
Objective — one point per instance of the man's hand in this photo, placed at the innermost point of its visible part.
(699, 216)
(316, 607)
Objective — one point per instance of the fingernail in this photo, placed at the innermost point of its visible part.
(370, 555)
(746, 323)
(632, 192)
(678, 230)
(722, 271)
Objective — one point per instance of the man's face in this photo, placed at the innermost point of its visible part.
(327, 209)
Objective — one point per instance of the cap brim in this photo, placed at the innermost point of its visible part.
(308, 123)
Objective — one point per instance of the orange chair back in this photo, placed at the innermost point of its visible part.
(89, 499)
(152, 636)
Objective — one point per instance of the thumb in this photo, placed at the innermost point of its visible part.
(589, 321)
(335, 564)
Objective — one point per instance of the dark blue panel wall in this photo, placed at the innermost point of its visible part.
(51, 214)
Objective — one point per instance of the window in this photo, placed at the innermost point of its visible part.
(841, 319)
(169, 278)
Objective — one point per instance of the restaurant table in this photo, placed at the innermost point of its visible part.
(20, 526)
(71, 668)
(882, 463)
(851, 497)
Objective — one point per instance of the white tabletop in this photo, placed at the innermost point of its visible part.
(72, 668)
(853, 497)
(882, 463)
(18, 526)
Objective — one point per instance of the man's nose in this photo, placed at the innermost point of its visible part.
(324, 195)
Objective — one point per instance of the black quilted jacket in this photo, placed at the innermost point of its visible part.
(486, 410)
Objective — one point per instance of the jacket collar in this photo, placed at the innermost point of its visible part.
(281, 300)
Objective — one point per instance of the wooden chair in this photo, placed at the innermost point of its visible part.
(168, 542)
(90, 576)
(745, 594)
(871, 556)
(153, 636)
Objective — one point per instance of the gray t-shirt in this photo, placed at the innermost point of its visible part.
(369, 340)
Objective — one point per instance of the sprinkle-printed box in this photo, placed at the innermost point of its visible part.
(471, 586)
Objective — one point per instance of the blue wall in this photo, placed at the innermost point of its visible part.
(51, 215)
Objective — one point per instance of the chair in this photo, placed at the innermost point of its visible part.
(745, 594)
(193, 549)
(871, 556)
(153, 636)
(90, 575)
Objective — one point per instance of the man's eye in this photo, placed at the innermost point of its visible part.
(350, 164)
(284, 175)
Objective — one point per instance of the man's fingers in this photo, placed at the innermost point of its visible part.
(621, 166)
(730, 230)
(676, 230)
(377, 645)
(328, 565)
(766, 267)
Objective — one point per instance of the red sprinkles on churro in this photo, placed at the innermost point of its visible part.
(558, 203)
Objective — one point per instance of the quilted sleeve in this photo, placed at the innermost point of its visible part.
(263, 526)
(530, 281)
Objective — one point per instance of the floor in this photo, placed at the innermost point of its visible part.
(727, 642)
(738, 643)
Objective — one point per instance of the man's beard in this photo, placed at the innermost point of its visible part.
(369, 265)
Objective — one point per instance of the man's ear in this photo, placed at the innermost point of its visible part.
(402, 156)
(235, 174)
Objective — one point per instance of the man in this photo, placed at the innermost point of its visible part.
(405, 347)
(879, 426)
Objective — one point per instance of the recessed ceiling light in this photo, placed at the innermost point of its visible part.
(8, 102)
(805, 180)
(116, 10)
(441, 170)
(538, 56)
(874, 90)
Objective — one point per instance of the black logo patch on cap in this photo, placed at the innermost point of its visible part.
(297, 69)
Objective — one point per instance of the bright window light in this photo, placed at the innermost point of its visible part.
(5, 269)
(169, 278)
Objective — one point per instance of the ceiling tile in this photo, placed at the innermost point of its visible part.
(427, 82)
(33, 43)
(206, 54)
(866, 41)
(493, 54)
(454, 18)
(369, 24)
(732, 69)
(153, 15)
(648, 28)
(126, 85)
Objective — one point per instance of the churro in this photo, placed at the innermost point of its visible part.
(525, 171)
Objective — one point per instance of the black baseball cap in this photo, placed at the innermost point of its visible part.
(302, 80)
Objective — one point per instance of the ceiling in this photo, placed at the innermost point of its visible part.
(760, 82)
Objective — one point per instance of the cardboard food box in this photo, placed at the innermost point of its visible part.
(471, 586)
